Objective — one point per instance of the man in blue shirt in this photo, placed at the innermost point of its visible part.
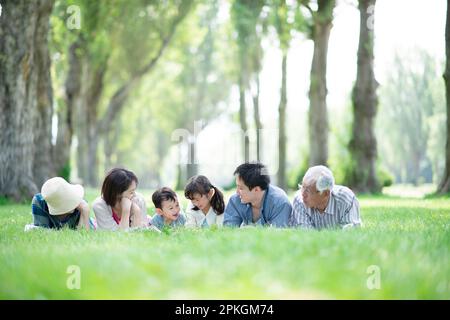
(256, 201)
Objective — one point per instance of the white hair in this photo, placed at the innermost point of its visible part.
(321, 176)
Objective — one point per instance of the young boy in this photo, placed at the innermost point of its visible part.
(60, 204)
(168, 212)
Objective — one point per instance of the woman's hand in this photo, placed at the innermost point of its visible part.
(125, 203)
(137, 219)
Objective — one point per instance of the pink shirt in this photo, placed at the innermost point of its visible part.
(115, 217)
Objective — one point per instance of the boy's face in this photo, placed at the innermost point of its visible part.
(170, 210)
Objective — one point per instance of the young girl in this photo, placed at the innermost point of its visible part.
(119, 206)
(207, 204)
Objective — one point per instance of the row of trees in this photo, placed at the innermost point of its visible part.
(413, 153)
(316, 23)
(93, 59)
(124, 53)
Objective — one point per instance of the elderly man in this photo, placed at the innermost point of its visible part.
(320, 204)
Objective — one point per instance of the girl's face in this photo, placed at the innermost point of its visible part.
(130, 192)
(202, 201)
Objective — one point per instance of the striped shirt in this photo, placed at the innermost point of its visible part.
(342, 211)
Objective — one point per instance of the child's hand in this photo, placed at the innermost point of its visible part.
(83, 207)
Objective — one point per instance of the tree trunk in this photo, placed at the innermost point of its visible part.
(444, 186)
(415, 172)
(318, 117)
(81, 128)
(92, 157)
(61, 155)
(81, 151)
(282, 126)
(363, 143)
(43, 168)
(110, 145)
(257, 118)
(243, 120)
(192, 166)
(93, 98)
(24, 90)
(87, 120)
(181, 177)
(163, 145)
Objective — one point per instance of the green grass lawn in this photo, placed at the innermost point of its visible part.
(407, 239)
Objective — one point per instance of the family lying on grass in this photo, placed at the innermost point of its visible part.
(319, 203)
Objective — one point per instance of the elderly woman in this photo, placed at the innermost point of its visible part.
(320, 204)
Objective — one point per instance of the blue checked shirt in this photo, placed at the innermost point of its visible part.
(42, 217)
(275, 210)
(158, 221)
(342, 211)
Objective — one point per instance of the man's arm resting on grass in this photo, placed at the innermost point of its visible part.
(280, 215)
(232, 217)
(351, 217)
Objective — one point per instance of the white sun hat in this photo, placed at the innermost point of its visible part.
(61, 196)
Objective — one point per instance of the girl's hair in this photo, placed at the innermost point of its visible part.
(201, 185)
(116, 182)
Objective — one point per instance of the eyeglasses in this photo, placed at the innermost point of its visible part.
(306, 190)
